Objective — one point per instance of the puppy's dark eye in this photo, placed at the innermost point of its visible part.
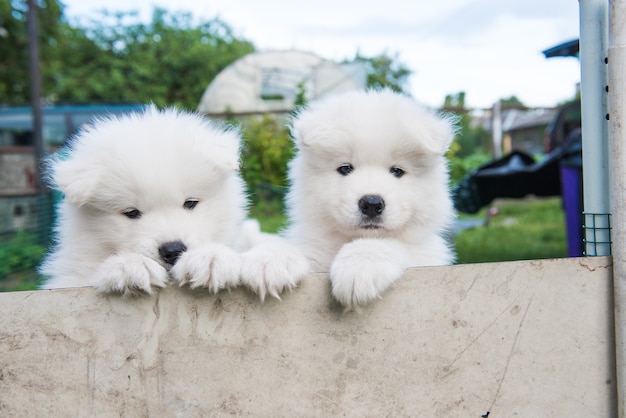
(132, 213)
(190, 204)
(345, 169)
(396, 171)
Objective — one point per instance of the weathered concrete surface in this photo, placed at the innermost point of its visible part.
(528, 339)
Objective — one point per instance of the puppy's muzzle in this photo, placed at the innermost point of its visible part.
(371, 205)
(170, 251)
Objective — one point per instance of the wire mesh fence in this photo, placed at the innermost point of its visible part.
(25, 234)
(597, 239)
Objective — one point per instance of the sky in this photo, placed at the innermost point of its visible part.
(490, 49)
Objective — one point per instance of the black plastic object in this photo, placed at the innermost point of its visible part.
(515, 175)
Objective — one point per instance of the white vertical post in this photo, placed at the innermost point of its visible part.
(593, 56)
(617, 146)
(496, 128)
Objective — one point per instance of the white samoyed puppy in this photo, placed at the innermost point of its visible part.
(151, 197)
(369, 193)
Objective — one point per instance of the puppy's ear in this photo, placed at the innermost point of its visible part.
(77, 180)
(223, 150)
(436, 135)
(304, 131)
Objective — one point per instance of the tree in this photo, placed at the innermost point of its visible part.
(14, 81)
(455, 103)
(470, 139)
(169, 61)
(512, 101)
(383, 70)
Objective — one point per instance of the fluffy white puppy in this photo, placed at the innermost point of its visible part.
(149, 197)
(369, 192)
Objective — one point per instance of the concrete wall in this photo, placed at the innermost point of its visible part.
(528, 339)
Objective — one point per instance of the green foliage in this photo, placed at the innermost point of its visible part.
(18, 258)
(383, 70)
(14, 80)
(169, 61)
(269, 212)
(19, 252)
(267, 150)
(512, 101)
(300, 99)
(462, 166)
(455, 101)
(525, 229)
(470, 139)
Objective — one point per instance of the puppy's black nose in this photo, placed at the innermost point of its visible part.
(170, 251)
(371, 205)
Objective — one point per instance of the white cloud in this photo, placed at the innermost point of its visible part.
(487, 48)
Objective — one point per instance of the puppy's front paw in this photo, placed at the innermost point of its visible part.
(129, 274)
(273, 268)
(363, 270)
(214, 267)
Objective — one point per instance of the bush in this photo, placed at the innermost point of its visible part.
(267, 150)
(19, 257)
(462, 166)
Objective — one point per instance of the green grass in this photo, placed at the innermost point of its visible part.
(524, 229)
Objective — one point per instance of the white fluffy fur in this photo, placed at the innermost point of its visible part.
(372, 131)
(154, 161)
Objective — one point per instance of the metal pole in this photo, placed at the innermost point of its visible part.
(617, 138)
(593, 60)
(35, 88)
(496, 127)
